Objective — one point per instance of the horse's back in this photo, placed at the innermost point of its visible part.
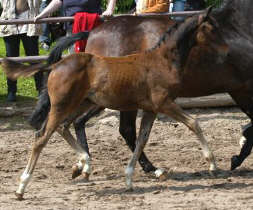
(125, 35)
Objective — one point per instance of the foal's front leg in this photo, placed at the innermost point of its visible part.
(145, 128)
(173, 110)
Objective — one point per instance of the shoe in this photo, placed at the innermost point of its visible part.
(44, 46)
(11, 97)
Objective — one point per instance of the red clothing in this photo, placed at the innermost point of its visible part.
(84, 21)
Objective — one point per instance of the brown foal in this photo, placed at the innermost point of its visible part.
(149, 81)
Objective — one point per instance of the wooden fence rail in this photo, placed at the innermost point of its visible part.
(67, 19)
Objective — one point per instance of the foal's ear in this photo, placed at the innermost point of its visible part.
(203, 17)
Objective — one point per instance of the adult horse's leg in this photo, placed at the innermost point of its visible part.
(245, 102)
(127, 129)
(79, 125)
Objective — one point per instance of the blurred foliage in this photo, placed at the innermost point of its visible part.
(122, 6)
(217, 3)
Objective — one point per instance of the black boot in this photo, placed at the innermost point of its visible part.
(11, 97)
(12, 89)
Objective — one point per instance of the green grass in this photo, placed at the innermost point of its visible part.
(26, 86)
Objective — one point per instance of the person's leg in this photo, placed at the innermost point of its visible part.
(178, 6)
(31, 46)
(44, 38)
(12, 50)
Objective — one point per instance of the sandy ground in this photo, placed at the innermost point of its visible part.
(172, 147)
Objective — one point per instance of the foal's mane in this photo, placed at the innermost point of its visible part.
(180, 34)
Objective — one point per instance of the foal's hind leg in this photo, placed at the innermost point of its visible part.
(83, 166)
(39, 144)
(173, 110)
(145, 128)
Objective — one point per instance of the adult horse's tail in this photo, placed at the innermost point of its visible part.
(63, 44)
(15, 70)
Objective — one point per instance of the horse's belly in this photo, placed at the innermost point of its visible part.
(123, 102)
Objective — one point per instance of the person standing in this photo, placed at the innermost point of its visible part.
(12, 34)
(71, 7)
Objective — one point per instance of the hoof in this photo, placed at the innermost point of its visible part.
(19, 196)
(85, 176)
(235, 162)
(161, 174)
(76, 172)
(163, 177)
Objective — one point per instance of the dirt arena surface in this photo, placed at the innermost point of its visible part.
(171, 146)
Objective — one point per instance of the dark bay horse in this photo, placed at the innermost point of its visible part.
(83, 81)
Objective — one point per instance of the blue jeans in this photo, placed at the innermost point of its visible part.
(45, 36)
(178, 6)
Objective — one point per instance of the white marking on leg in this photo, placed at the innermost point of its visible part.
(242, 141)
(206, 150)
(159, 172)
(85, 163)
(129, 173)
(24, 180)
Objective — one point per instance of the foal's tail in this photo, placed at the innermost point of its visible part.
(14, 70)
